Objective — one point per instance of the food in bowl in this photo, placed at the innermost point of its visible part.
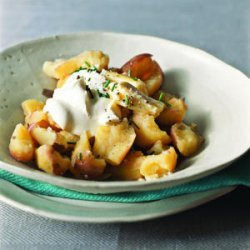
(105, 123)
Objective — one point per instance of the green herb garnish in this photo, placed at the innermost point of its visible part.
(106, 84)
(135, 78)
(168, 105)
(80, 156)
(81, 68)
(113, 87)
(95, 68)
(87, 63)
(161, 97)
(127, 100)
(106, 95)
(129, 73)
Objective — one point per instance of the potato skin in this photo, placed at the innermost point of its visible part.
(50, 161)
(147, 131)
(21, 145)
(185, 139)
(148, 70)
(130, 167)
(174, 110)
(136, 165)
(84, 165)
(88, 167)
(113, 142)
(156, 166)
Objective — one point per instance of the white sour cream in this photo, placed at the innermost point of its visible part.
(72, 108)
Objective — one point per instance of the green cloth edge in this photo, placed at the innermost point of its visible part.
(237, 174)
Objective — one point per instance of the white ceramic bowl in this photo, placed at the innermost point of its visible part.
(218, 97)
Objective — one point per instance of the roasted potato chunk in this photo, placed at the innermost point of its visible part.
(113, 142)
(61, 82)
(47, 136)
(129, 97)
(157, 148)
(185, 139)
(31, 105)
(82, 146)
(49, 68)
(174, 110)
(145, 68)
(83, 163)
(37, 117)
(136, 165)
(21, 145)
(85, 59)
(50, 161)
(71, 139)
(156, 166)
(119, 78)
(147, 131)
(130, 167)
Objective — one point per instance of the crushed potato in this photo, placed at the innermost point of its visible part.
(142, 143)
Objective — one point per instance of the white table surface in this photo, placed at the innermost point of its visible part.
(221, 27)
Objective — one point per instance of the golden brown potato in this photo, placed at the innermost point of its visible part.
(50, 161)
(174, 110)
(145, 68)
(21, 145)
(49, 68)
(156, 166)
(47, 136)
(119, 78)
(157, 148)
(37, 117)
(71, 139)
(113, 142)
(85, 59)
(147, 131)
(129, 97)
(82, 146)
(61, 82)
(31, 105)
(185, 139)
(130, 167)
(88, 167)
(83, 163)
(136, 165)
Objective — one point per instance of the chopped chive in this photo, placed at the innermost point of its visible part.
(129, 73)
(135, 78)
(81, 68)
(168, 105)
(80, 156)
(95, 68)
(161, 97)
(127, 100)
(87, 63)
(71, 142)
(106, 84)
(113, 87)
(106, 95)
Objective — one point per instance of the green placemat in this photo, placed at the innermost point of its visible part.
(237, 174)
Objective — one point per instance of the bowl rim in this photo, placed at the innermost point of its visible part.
(126, 185)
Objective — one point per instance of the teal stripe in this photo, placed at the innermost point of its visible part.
(237, 174)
